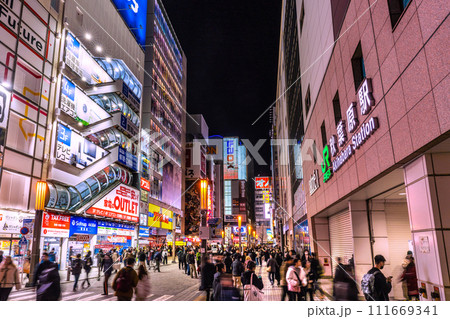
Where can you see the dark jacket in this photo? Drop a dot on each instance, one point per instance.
(409, 274)
(238, 268)
(191, 259)
(382, 287)
(133, 278)
(344, 284)
(77, 265)
(106, 264)
(255, 281)
(142, 256)
(208, 270)
(272, 263)
(48, 282)
(228, 262)
(87, 263)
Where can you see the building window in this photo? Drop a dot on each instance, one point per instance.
(307, 102)
(323, 131)
(396, 8)
(359, 71)
(337, 108)
(314, 147)
(302, 17)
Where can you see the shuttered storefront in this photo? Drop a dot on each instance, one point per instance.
(399, 233)
(341, 237)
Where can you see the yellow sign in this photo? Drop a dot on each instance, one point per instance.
(154, 216)
(180, 243)
(166, 219)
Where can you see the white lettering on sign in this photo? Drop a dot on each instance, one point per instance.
(366, 130)
(366, 100)
(352, 118)
(341, 133)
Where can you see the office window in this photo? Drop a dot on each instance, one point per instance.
(324, 134)
(337, 108)
(359, 72)
(302, 17)
(307, 102)
(314, 147)
(396, 8)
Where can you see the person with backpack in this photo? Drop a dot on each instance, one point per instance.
(125, 281)
(107, 266)
(76, 267)
(296, 280)
(47, 281)
(87, 265)
(375, 286)
(9, 277)
(143, 286)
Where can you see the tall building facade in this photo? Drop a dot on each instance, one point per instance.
(375, 152)
(77, 85)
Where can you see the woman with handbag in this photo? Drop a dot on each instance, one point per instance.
(9, 277)
(296, 279)
(252, 284)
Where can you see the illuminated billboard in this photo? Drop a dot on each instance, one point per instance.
(79, 106)
(74, 149)
(83, 64)
(262, 182)
(242, 163)
(134, 13)
(230, 158)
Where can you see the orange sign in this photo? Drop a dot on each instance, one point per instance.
(261, 182)
(145, 184)
(54, 225)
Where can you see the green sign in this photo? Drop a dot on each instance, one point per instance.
(326, 165)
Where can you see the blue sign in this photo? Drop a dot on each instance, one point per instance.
(127, 159)
(23, 241)
(144, 231)
(73, 45)
(81, 225)
(115, 225)
(64, 134)
(134, 12)
(68, 88)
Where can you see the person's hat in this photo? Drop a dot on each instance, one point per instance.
(409, 252)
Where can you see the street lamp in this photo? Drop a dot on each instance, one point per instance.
(41, 199)
(249, 235)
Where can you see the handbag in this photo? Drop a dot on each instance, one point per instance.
(269, 269)
(251, 292)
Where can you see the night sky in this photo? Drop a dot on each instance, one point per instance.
(232, 57)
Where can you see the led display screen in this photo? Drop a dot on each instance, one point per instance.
(230, 166)
(134, 12)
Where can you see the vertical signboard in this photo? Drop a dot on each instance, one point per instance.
(230, 158)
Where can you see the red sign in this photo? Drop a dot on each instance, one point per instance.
(145, 184)
(54, 225)
(261, 182)
(83, 238)
(121, 203)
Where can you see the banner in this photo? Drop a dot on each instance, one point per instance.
(154, 213)
(81, 225)
(166, 219)
(55, 225)
(111, 228)
(12, 222)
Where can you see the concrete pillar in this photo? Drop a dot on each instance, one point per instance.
(320, 243)
(427, 181)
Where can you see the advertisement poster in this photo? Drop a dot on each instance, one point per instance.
(230, 165)
(171, 185)
(79, 106)
(12, 222)
(111, 228)
(55, 225)
(127, 159)
(75, 150)
(121, 203)
(81, 62)
(192, 208)
(154, 216)
(81, 225)
(166, 219)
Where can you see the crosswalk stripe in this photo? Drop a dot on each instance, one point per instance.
(79, 295)
(28, 293)
(163, 298)
(22, 293)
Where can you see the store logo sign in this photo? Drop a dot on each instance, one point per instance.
(326, 165)
(134, 12)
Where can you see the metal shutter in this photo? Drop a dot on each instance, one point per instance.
(341, 237)
(399, 233)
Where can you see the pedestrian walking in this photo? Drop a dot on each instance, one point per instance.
(76, 267)
(288, 261)
(143, 285)
(87, 265)
(157, 257)
(250, 281)
(375, 286)
(409, 277)
(125, 281)
(100, 256)
(272, 268)
(47, 280)
(52, 255)
(228, 262)
(142, 257)
(9, 277)
(107, 266)
(164, 256)
(237, 270)
(116, 261)
(181, 257)
(296, 280)
(344, 284)
(191, 262)
(207, 279)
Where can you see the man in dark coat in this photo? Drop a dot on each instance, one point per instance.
(207, 271)
(47, 280)
(228, 261)
(107, 266)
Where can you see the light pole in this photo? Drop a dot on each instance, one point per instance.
(41, 194)
(249, 235)
(239, 226)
